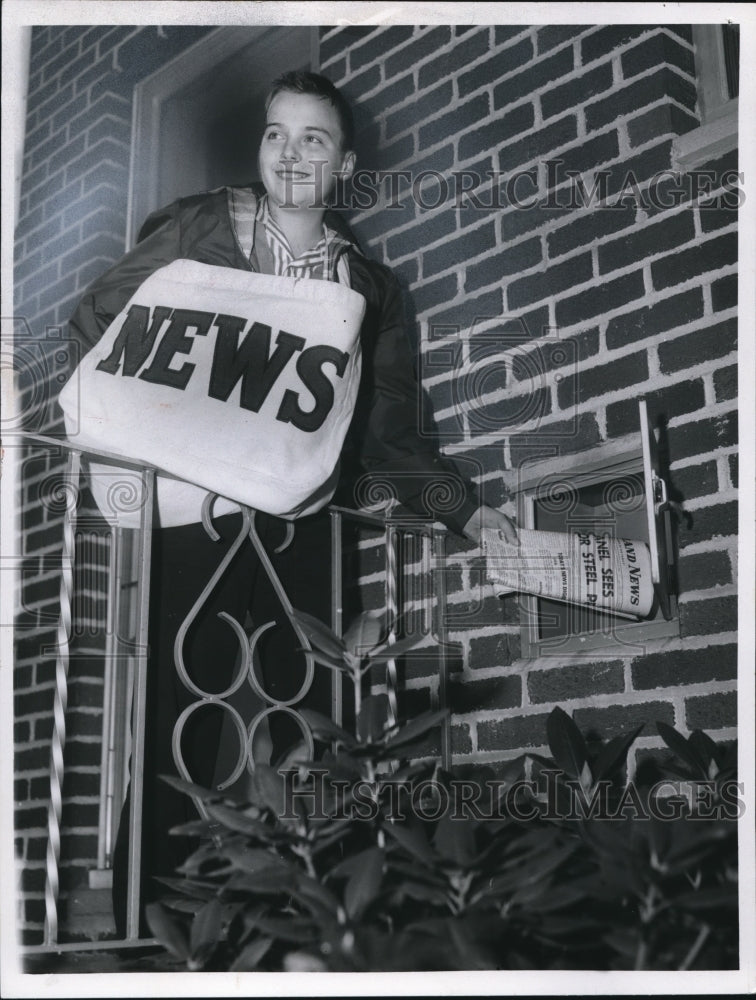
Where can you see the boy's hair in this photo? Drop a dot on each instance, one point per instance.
(300, 82)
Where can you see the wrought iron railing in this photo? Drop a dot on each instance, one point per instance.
(429, 603)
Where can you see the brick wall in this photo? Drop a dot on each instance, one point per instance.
(642, 299)
(496, 253)
(71, 227)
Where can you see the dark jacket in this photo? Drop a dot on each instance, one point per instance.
(383, 438)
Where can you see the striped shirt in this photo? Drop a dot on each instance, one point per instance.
(325, 260)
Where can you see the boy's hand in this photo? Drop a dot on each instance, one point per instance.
(487, 517)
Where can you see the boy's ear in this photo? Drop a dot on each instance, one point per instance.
(348, 164)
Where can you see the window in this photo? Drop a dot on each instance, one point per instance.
(717, 52)
(620, 494)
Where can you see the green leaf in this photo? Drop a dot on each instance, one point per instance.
(566, 743)
(455, 839)
(317, 897)
(206, 932)
(371, 718)
(168, 932)
(332, 662)
(392, 651)
(256, 860)
(296, 929)
(720, 897)
(364, 884)
(239, 822)
(677, 742)
(417, 727)
(189, 887)
(251, 955)
(268, 788)
(189, 788)
(705, 749)
(324, 728)
(413, 840)
(321, 637)
(614, 753)
(364, 633)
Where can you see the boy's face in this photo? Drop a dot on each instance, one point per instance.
(301, 151)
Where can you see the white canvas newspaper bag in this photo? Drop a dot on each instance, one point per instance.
(236, 383)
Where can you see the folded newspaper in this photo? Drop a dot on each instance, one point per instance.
(598, 571)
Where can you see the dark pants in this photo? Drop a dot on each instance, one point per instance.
(183, 560)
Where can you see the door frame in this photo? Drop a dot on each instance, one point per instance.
(151, 93)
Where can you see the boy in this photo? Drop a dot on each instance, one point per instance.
(284, 230)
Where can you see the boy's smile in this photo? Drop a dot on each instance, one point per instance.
(301, 152)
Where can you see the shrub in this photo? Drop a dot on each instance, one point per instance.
(372, 860)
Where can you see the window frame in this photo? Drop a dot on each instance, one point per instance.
(718, 132)
(585, 470)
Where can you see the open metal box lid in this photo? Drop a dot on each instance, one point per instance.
(657, 512)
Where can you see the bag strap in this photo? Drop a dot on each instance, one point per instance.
(243, 205)
(243, 209)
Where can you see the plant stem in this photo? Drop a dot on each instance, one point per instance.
(697, 946)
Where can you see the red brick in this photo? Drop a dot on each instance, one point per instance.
(654, 51)
(677, 668)
(343, 38)
(724, 293)
(671, 231)
(576, 681)
(499, 650)
(666, 403)
(460, 55)
(703, 570)
(429, 40)
(577, 91)
(552, 35)
(605, 40)
(544, 284)
(590, 382)
(378, 45)
(492, 69)
(464, 314)
(615, 719)
(419, 236)
(646, 90)
(703, 435)
(684, 264)
(594, 301)
(712, 711)
(699, 346)
(585, 155)
(553, 355)
(726, 383)
(535, 76)
(423, 107)
(732, 461)
(507, 734)
(719, 520)
(696, 480)
(502, 263)
(495, 132)
(708, 617)
(663, 120)
(459, 251)
(539, 143)
(565, 437)
(658, 318)
(589, 226)
(484, 695)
